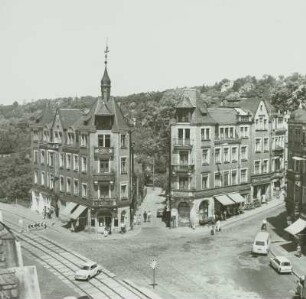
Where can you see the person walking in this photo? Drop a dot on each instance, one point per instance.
(149, 216)
(145, 216)
(218, 225)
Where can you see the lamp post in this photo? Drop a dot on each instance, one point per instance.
(169, 185)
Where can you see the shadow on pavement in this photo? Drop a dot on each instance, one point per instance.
(279, 223)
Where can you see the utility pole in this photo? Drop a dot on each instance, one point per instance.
(153, 171)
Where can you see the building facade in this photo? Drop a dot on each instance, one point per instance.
(223, 157)
(82, 164)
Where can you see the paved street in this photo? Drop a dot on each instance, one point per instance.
(191, 264)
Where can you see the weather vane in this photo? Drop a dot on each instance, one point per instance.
(106, 51)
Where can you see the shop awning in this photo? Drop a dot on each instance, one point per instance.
(236, 197)
(298, 158)
(224, 200)
(77, 212)
(296, 227)
(69, 207)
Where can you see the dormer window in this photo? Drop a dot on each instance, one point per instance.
(183, 116)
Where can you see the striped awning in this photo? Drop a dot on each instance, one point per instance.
(224, 200)
(236, 197)
(77, 212)
(296, 227)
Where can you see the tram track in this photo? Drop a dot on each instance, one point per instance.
(54, 257)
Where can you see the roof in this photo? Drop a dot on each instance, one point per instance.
(69, 116)
(298, 116)
(223, 115)
(109, 108)
(185, 103)
(282, 258)
(46, 117)
(250, 104)
(105, 79)
(262, 235)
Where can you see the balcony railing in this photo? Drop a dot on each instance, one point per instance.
(178, 142)
(219, 140)
(106, 152)
(104, 177)
(183, 168)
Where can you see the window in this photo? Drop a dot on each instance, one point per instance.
(183, 116)
(76, 162)
(123, 141)
(61, 160)
(70, 138)
(42, 178)
(68, 161)
(244, 153)
(123, 165)
(104, 140)
(234, 154)
(221, 134)
(205, 181)
(84, 190)
(226, 178)
(226, 157)
(35, 135)
(35, 156)
(51, 181)
(217, 179)
(123, 192)
(76, 187)
(104, 166)
(243, 176)
(35, 177)
(258, 145)
(61, 183)
(84, 164)
(244, 132)
(104, 191)
(217, 155)
(183, 183)
(83, 140)
(68, 185)
(205, 156)
(257, 167)
(266, 144)
(184, 136)
(42, 157)
(265, 166)
(205, 134)
(51, 159)
(183, 158)
(234, 177)
(265, 124)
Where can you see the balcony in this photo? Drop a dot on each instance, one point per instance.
(183, 168)
(104, 202)
(293, 175)
(277, 151)
(104, 176)
(228, 140)
(182, 143)
(49, 145)
(104, 152)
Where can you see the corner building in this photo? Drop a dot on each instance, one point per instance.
(223, 157)
(82, 164)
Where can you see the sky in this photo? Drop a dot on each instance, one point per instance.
(55, 48)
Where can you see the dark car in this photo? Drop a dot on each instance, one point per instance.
(160, 212)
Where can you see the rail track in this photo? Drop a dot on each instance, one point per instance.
(64, 262)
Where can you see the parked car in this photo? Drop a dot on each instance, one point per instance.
(281, 264)
(87, 271)
(160, 212)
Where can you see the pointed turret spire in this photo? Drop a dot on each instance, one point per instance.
(105, 82)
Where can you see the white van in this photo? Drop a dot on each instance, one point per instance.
(261, 243)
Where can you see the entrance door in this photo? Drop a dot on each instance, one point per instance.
(203, 212)
(104, 220)
(184, 214)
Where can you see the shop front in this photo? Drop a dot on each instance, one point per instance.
(224, 206)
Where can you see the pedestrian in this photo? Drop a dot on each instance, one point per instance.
(45, 212)
(20, 222)
(149, 216)
(145, 216)
(264, 225)
(139, 219)
(218, 225)
(105, 232)
(224, 214)
(298, 250)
